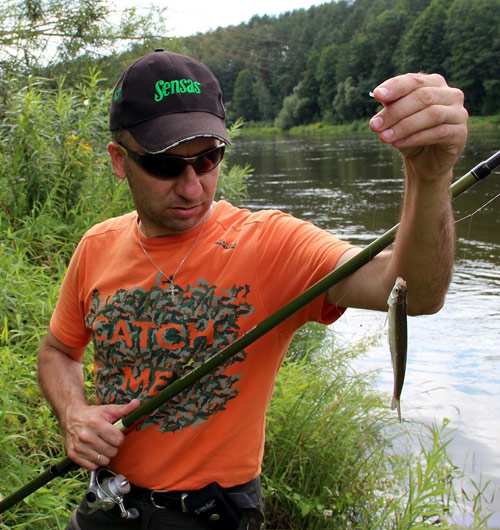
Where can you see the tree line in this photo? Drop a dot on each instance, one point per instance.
(321, 63)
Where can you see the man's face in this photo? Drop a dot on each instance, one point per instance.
(172, 206)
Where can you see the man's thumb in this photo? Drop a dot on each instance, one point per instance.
(117, 412)
(130, 407)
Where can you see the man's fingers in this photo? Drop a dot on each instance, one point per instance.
(113, 413)
(397, 87)
(92, 455)
(437, 102)
(425, 119)
(90, 460)
(427, 127)
(88, 444)
(93, 440)
(429, 114)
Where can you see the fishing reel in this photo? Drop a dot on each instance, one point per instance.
(105, 493)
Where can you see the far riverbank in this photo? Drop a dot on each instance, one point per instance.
(261, 130)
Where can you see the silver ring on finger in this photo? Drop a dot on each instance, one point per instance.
(96, 461)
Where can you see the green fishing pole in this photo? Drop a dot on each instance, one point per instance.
(65, 465)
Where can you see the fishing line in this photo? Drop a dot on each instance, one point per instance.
(380, 163)
(478, 210)
(469, 228)
(376, 203)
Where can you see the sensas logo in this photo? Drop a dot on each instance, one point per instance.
(176, 86)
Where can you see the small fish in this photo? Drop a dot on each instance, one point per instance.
(398, 338)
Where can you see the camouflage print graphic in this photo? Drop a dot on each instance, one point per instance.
(145, 340)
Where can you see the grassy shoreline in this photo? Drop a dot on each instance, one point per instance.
(265, 130)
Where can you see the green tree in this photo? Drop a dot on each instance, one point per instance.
(225, 51)
(423, 47)
(351, 101)
(308, 89)
(35, 32)
(245, 104)
(358, 59)
(333, 23)
(413, 7)
(473, 39)
(384, 33)
(294, 110)
(369, 52)
(264, 98)
(326, 77)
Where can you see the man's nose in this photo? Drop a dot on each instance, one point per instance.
(188, 183)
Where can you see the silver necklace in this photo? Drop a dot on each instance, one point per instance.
(170, 279)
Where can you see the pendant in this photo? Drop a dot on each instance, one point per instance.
(172, 289)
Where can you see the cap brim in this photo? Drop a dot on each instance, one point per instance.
(169, 130)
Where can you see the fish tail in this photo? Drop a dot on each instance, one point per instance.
(396, 404)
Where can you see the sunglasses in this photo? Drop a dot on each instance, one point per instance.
(170, 166)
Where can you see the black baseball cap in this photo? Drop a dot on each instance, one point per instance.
(166, 98)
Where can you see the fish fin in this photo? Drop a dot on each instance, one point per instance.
(396, 404)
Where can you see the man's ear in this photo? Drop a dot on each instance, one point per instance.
(117, 160)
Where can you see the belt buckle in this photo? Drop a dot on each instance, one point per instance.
(152, 499)
(160, 507)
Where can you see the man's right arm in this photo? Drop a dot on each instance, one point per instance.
(88, 429)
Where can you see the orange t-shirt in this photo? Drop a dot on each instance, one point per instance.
(243, 268)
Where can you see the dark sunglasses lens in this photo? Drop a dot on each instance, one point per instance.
(168, 166)
(163, 166)
(208, 161)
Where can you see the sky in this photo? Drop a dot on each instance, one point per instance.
(187, 17)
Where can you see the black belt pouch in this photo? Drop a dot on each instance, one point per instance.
(213, 505)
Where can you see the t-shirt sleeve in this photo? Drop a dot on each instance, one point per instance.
(68, 320)
(294, 255)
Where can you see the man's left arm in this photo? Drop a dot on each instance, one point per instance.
(426, 121)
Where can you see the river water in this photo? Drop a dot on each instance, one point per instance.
(351, 185)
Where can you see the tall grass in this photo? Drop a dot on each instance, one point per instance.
(335, 454)
(330, 460)
(324, 445)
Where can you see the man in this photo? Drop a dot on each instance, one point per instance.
(161, 289)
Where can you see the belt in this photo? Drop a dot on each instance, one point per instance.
(165, 500)
(174, 500)
(209, 506)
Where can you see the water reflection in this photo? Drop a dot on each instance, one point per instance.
(352, 186)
